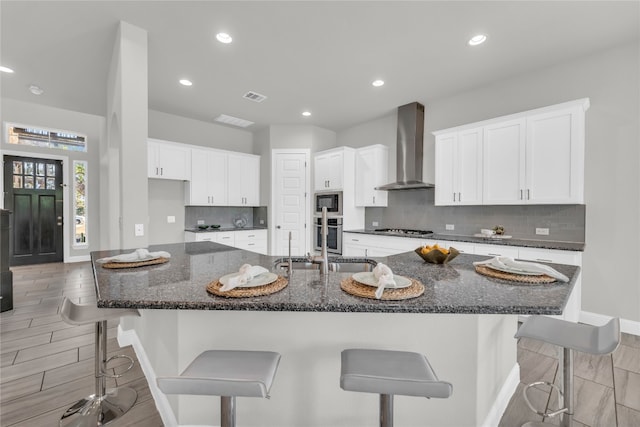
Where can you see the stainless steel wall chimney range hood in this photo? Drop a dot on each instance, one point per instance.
(409, 149)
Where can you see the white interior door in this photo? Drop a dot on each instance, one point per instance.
(291, 206)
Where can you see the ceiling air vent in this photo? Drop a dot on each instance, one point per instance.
(234, 121)
(254, 96)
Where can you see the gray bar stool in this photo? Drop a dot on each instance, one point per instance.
(388, 373)
(104, 405)
(226, 373)
(600, 340)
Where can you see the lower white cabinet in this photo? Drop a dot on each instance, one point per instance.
(250, 240)
(356, 244)
(496, 250)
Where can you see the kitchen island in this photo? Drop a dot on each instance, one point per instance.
(463, 322)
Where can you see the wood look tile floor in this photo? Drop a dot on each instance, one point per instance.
(46, 365)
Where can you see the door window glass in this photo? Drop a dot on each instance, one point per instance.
(80, 203)
(30, 175)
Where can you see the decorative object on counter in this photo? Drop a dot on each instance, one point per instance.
(358, 289)
(279, 284)
(240, 221)
(138, 258)
(512, 277)
(249, 276)
(205, 227)
(499, 230)
(436, 254)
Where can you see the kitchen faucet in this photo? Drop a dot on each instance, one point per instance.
(323, 259)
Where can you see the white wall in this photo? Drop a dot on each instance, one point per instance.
(611, 272)
(93, 126)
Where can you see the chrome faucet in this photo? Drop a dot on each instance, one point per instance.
(323, 259)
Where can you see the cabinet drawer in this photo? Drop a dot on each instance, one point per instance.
(493, 250)
(250, 236)
(253, 246)
(225, 237)
(550, 255)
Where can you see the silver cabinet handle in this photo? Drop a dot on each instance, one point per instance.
(157, 171)
(528, 195)
(520, 194)
(454, 196)
(494, 254)
(543, 260)
(366, 252)
(459, 197)
(161, 171)
(355, 240)
(374, 200)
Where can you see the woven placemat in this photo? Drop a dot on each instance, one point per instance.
(532, 280)
(353, 287)
(271, 288)
(134, 264)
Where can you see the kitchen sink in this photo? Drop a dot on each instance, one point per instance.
(340, 266)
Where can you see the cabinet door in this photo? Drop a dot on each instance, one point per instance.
(328, 171)
(468, 167)
(208, 186)
(445, 169)
(503, 166)
(174, 162)
(243, 175)
(371, 171)
(554, 158)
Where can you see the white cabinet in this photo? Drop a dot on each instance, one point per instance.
(554, 163)
(243, 179)
(208, 186)
(534, 157)
(251, 240)
(328, 170)
(166, 160)
(459, 168)
(496, 250)
(371, 172)
(504, 159)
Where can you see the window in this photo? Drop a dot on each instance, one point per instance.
(80, 203)
(34, 175)
(48, 138)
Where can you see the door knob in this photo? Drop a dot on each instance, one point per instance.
(278, 227)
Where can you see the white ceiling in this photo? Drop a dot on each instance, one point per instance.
(320, 56)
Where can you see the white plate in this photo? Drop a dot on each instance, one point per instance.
(260, 280)
(147, 258)
(367, 278)
(513, 270)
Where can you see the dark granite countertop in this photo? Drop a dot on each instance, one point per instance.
(214, 230)
(528, 243)
(453, 288)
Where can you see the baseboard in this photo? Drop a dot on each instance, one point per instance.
(504, 396)
(78, 258)
(626, 326)
(130, 337)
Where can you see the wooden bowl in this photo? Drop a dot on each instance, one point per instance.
(434, 256)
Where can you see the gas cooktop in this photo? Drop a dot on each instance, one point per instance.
(403, 231)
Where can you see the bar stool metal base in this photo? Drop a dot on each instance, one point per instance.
(92, 411)
(227, 411)
(386, 410)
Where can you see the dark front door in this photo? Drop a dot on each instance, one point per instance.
(33, 192)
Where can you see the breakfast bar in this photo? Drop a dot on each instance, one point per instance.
(464, 322)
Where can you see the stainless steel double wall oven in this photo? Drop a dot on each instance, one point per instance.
(332, 200)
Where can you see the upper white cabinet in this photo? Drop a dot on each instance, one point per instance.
(371, 172)
(459, 168)
(534, 157)
(208, 186)
(329, 169)
(504, 155)
(168, 160)
(243, 179)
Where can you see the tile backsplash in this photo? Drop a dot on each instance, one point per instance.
(415, 209)
(224, 215)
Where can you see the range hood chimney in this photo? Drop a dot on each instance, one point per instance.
(409, 149)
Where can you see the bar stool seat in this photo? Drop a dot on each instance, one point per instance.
(389, 373)
(105, 405)
(226, 373)
(598, 340)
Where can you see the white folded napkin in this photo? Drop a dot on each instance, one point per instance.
(246, 273)
(384, 276)
(526, 267)
(135, 256)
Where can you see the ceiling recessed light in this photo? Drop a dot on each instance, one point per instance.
(224, 38)
(36, 90)
(377, 83)
(476, 40)
(185, 82)
(306, 113)
(6, 69)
